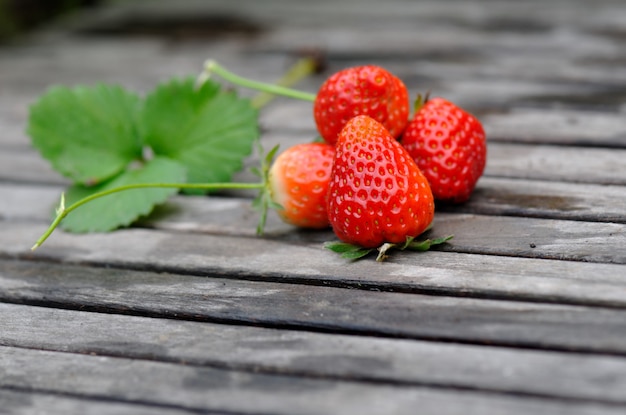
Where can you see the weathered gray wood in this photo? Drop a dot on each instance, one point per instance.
(535, 238)
(27, 166)
(558, 126)
(234, 215)
(293, 260)
(544, 199)
(553, 125)
(276, 304)
(506, 160)
(568, 164)
(590, 165)
(301, 353)
(32, 202)
(202, 388)
(545, 78)
(28, 402)
(508, 236)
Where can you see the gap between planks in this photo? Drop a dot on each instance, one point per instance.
(554, 327)
(448, 273)
(116, 379)
(317, 355)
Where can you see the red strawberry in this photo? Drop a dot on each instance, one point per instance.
(299, 183)
(377, 193)
(362, 90)
(449, 146)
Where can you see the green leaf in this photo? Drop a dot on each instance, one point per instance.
(351, 251)
(123, 208)
(357, 254)
(89, 134)
(206, 129)
(348, 251)
(341, 247)
(426, 244)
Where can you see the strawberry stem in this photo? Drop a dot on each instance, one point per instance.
(212, 67)
(263, 202)
(62, 211)
(300, 70)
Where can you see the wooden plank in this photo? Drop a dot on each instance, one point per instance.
(439, 272)
(283, 305)
(474, 275)
(551, 66)
(506, 160)
(544, 199)
(492, 196)
(27, 166)
(234, 215)
(560, 126)
(32, 202)
(27, 402)
(534, 238)
(205, 388)
(301, 353)
(474, 233)
(509, 236)
(571, 164)
(568, 164)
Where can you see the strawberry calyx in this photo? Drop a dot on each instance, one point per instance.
(264, 201)
(420, 101)
(354, 252)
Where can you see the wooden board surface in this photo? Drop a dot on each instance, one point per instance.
(188, 311)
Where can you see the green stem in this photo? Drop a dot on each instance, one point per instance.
(298, 71)
(213, 67)
(62, 212)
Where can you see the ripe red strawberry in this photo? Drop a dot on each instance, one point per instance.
(377, 193)
(449, 146)
(362, 90)
(299, 183)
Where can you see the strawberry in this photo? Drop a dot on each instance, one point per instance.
(377, 194)
(299, 183)
(449, 146)
(362, 90)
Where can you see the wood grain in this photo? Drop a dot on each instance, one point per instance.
(190, 312)
(212, 389)
(280, 305)
(331, 356)
(445, 272)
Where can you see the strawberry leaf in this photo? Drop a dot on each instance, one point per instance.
(89, 134)
(411, 245)
(426, 244)
(206, 129)
(123, 208)
(348, 251)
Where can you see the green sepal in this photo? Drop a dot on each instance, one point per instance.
(426, 244)
(263, 202)
(420, 100)
(348, 251)
(351, 251)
